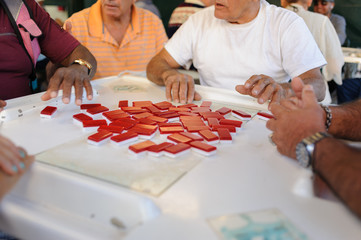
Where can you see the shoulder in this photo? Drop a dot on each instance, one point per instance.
(337, 18)
(277, 14)
(80, 16)
(147, 16)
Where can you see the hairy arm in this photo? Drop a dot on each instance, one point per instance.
(161, 66)
(346, 121)
(340, 169)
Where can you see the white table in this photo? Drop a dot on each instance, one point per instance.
(248, 175)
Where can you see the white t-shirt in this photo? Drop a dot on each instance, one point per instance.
(276, 43)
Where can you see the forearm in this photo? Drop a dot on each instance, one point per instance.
(157, 70)
(346, 122)
(81, 52)
(339, 165)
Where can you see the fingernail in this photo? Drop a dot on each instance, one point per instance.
(247, 85)
(260, 100)
(66, 100)
(308, 87)
(15, 169)
(78, 102)
(22, 153)
(22, 165)
(53, 94)
(255, 92)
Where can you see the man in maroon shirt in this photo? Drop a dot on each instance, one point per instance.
(55, 43)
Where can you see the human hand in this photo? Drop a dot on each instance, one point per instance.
(294, 120)
(2, 105)
(12, 157)
(180, 87)
(64, 78)
(262, 87)
(67, 27)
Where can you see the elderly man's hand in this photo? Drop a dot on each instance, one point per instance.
(13, 159)
(262, 87)
(64, 78)
(294, 120)
(2, 105)
(180, 87)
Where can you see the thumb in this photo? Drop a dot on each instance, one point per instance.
(297, 86)
(68, 26)
(197, 96)
(308, 96)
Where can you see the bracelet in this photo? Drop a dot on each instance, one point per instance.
(328, 117)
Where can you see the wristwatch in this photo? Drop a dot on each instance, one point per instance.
(305, 148)
(84, 63)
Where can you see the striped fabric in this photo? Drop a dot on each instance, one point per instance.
(144, 38)
(182, 13)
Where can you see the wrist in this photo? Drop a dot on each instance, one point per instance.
(84, 63)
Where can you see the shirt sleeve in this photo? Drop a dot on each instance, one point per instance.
(299, 50)
(55, 43)
(180, 45)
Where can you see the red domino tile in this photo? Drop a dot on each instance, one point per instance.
(193, 123)
(123, 103)
(146, 130)
(207, 115)
(142, 115)
(197, 128)
(224, 134)
(110, 128)
(115, 117)
(180, 147)
(206, 104)
(169, 115)
(178, 109)
(188, 114)
(200, 109)
(242, 115)
(152, 109)
(147, 121)
(100, 136)
(142, 103)
(141, 147)
(88, 106)
(178, 138)
(194, 137)
(158, 119)
(175, 124)
(235, 123)
(124, 137)
(212, 121)
(208, 135)
(163, 105)
(125, 125)
(159, 147)
(94, 123)
(203, 146)
(189, 105)
(96, 110)
(81, 117)
(265, 115)
(169, 130)
(48, 111)
(224, 110)
(230, 128)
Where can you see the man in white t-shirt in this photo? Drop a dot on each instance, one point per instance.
(249, 45)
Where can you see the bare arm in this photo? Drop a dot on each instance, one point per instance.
(67, 75)
(346, 121)
(162, 70)
(340, 169)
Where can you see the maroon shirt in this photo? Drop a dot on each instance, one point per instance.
(15, 65)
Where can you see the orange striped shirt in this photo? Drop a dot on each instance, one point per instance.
(144, 38)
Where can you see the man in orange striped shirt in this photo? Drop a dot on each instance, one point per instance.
(119, 35)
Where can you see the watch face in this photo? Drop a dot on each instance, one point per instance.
(302, 155)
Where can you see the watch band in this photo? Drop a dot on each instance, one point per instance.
(84, 63)
(308, 144)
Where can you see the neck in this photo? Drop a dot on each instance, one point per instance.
(250, 13)
(122, 20)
